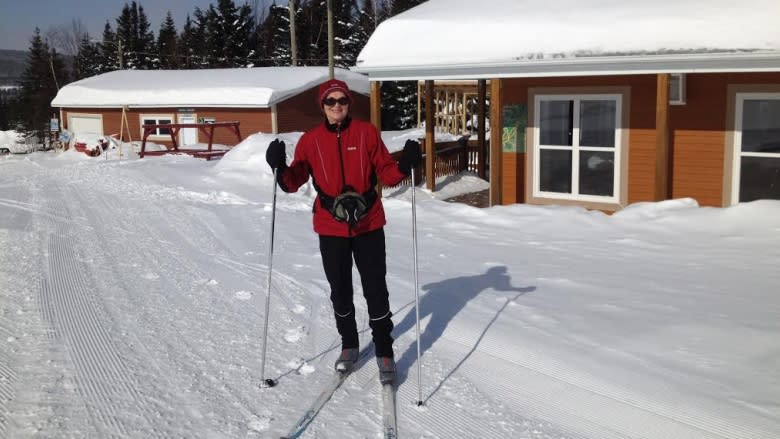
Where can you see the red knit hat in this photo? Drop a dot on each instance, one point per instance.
(329, 87)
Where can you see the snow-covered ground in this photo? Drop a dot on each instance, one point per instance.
(132, 298)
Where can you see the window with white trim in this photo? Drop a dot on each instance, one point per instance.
(577, 147)
(147, 119)
(757, 147)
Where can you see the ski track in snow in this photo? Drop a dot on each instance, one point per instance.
(149, 317)
(111, 392)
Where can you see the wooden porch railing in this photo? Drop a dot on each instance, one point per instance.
(452, 158)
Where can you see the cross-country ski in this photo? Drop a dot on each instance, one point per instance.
(311, 412)
(389, 419)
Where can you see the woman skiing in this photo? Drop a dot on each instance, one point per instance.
(346, 157)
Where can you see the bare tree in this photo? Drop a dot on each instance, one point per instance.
(67, 37)
(259, 10)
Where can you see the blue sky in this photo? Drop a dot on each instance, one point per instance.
(18, 18)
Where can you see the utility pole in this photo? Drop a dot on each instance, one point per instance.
(330, 40)
(51, 65)
(293, 44)
(120, 53)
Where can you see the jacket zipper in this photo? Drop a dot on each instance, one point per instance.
(343, 173)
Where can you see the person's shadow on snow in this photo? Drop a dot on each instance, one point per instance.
(442, 301)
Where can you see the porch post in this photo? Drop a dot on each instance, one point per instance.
(662, 162)
(496, 123)
(430, 139)
(375, 104)
(375, 100)
(481, 96)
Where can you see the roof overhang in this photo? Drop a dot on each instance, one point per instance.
(764, 61)
(260, 87)
(174, 105)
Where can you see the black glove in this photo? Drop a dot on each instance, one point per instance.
(411, 156)
(276, 155)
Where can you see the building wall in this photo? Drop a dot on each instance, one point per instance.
(641, 116)
(698, 133)
(298, 113)
(251, 120)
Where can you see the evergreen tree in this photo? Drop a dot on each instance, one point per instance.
(273, 36)
(88, 59)
(185, 44)
(347, 43)
(366, 24)
(229, 30)
(134, 38)
(40, 81)
(9, 114)
(125, 36)
(399, 98)
(313, 33)
(398, 6)
(145, 47)
(192, 41)
(167, 44)
(109, 50)
(4, 110)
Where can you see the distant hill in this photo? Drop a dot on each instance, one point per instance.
(12, 63)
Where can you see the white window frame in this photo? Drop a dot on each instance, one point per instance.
(576, 148)
(677, 88)
(737, 146)
(171, 117)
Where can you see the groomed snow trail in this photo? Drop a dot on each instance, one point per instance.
(132, 307)
(146, 320)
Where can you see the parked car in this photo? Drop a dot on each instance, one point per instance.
(13, 142)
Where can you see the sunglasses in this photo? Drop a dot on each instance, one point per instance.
(333, 101)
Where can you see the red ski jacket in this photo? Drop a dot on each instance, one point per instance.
(364, 155)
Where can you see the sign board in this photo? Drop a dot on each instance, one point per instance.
(513, 131)
(54, 124)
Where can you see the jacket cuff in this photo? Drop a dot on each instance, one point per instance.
(404, 167)
(280, 177)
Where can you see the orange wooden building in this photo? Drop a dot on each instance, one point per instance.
(604, 104)
(269, 100)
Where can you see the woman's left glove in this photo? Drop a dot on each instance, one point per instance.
(275, 155)
(411, 156)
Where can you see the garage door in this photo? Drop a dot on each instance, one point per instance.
(85, 124)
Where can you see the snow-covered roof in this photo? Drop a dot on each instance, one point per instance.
(250, 87)
(450, 39)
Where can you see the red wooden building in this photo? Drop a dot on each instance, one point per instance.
(269, 100)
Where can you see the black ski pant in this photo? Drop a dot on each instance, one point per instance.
(368, 251)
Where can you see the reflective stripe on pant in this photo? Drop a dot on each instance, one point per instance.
(368, 251)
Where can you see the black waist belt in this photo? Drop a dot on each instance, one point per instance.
(327, 201)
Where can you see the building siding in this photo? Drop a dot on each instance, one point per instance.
(251, 121)
(697, 133)
(298, 113)
(641, 117)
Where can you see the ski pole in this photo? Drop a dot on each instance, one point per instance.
(268, 381)
(416, 292)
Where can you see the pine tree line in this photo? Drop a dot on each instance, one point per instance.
(224, 35)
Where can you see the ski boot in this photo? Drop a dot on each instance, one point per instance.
(346, 360)
(386, 370)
